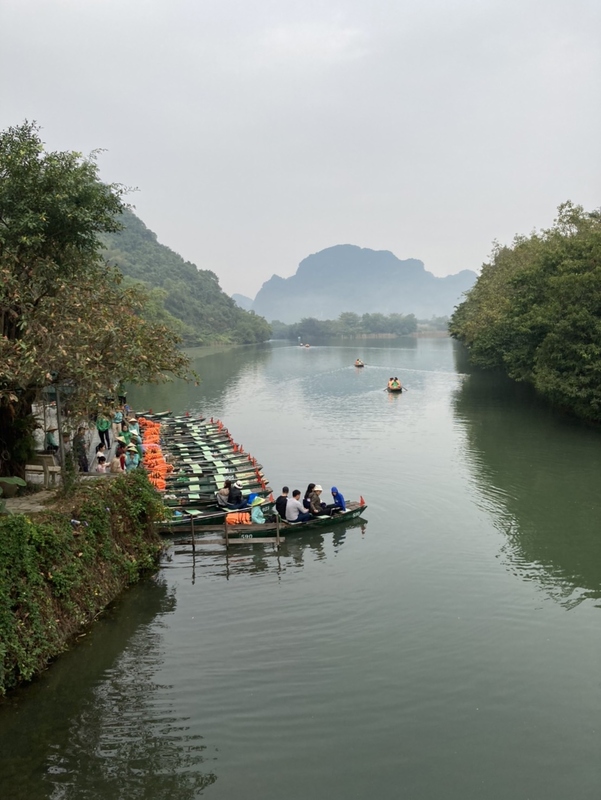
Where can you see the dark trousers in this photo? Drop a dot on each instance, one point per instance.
(303, 517)
(104, 439)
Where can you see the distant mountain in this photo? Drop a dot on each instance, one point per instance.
(243, 301)
(350, 278)
(188, 298)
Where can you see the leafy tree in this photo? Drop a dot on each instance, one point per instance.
(64, 317)
(535, 311)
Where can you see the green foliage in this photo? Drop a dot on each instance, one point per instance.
(180, 290)
(64, 315)
(347, 324)
(535, 311)
(59, 570)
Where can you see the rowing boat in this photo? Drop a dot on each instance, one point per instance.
(354, 510)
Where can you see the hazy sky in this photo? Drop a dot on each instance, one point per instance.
(260, 131)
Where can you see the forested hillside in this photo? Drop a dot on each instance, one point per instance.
(188, 297)
(535, 311)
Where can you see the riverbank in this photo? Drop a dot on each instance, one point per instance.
(63, 563)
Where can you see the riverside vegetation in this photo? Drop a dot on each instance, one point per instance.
(535, 312)
(60, 568)
(69, 324)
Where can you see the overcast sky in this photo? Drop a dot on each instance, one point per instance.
(260, 131)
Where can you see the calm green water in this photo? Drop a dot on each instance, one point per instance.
(447, 648)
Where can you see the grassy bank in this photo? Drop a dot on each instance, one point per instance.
(60, 568)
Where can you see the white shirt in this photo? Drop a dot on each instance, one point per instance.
(294, 507)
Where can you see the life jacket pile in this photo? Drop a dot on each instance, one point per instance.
(238, 518)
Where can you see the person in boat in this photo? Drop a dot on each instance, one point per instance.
(396, 384)
(50, 444)
(339, 503)
(295, 511)
(222, 496)
(308, 491)
(281, 502)
(390, 382)
(235, 499)
(316, 507)
(359, 363)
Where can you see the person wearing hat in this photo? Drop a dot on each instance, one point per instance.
(132, 459)
(136, 439)
(134, 425)
(235, 499)
(316, 507)
(50, 444)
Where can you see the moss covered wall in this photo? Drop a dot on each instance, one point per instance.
(59, 569)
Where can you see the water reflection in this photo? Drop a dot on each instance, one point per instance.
(220, 372)
(116, 734)
(538, 472)
(253, 560)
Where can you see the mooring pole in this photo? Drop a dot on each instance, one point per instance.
(192, 531)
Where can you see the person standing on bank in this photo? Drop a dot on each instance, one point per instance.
(103, 425)
(50, 444)
(79, 448)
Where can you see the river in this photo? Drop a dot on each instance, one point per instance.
(447, 648)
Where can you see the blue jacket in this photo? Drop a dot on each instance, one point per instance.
(338, 498)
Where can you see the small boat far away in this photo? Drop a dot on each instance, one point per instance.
(359, 363)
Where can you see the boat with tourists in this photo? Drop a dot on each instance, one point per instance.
(359, 363)
(394, 386)
(248, 530)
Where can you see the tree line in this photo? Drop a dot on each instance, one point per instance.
(347, 324)
(535, 312)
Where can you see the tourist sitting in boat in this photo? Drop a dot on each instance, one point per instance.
(339, 503)
(281, 502)
(306, 502)
(222, 496)
(235, 499)
(359, 363)
(295, 511)
(390, 382)
(316, 507)
(396, 384)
